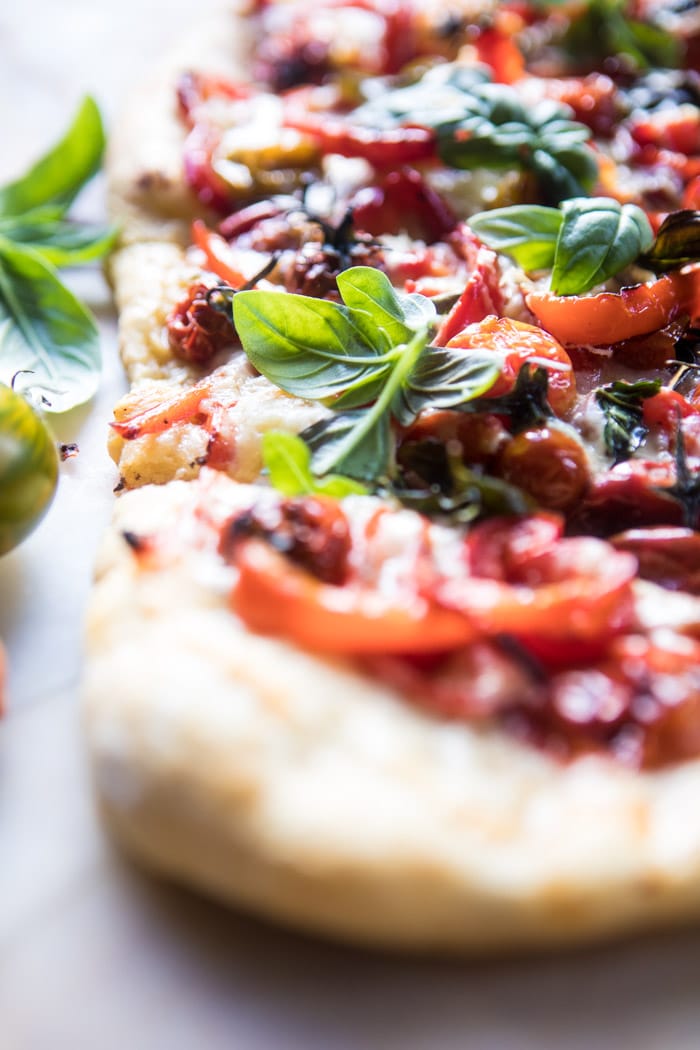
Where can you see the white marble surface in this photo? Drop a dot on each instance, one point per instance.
(93, 955)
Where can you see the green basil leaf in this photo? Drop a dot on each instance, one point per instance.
(57, 177)
(500, 133)
(598, 238)
(621, 404)
(526, 232)
(677, 242)
(444, 379)
(308, 347)
(44, 329)
(59, 241)
(288, 461)
(378, 309)
(355, 443)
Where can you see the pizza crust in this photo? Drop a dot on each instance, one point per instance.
(146, 191)
(292, 786)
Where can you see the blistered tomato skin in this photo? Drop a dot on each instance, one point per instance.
(28, 469)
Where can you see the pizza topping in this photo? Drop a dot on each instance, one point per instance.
(531, 408)
(583, 243)
(197, 329)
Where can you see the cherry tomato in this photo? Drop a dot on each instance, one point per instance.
(28, 468)
(550, 464)
(517, 343)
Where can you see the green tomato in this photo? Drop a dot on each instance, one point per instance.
(28, 468)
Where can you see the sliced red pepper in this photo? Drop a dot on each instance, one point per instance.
(274, 597)
(610, 317)
(218, 254)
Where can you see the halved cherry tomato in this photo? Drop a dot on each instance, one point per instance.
(403, 201)
(275, 597)
(610, 317)
(516, 344)
(666, 408)
(669, 556)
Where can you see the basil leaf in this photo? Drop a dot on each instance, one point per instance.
(57, 177)
(677, 242)
(444, 379)
(44, 329)
(603, 30)
(356, 443)
(500, 132)
(621, 403)
(377, 308)
(598, 238)
(308, 347)
(59, 241)
(526, 232)
(288, 462)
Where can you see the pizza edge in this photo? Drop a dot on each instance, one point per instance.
(293, 785)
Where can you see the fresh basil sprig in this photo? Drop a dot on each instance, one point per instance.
(676, 243)
(368, 359)
(621, 403)
(45, 332)
(484, 125)
(584, 242)
(287, 459)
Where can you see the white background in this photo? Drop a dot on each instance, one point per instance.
(95, 956)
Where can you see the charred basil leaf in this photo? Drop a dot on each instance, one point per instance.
(621, 403)
(676, 243)
(431, 480)
(526, 404)
(686, 488)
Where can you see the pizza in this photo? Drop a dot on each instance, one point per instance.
(396, 633)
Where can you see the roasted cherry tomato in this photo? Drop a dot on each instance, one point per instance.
(28, 468)
(517, 343)
(550, 464)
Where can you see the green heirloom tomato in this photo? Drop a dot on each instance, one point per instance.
(28, 468)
